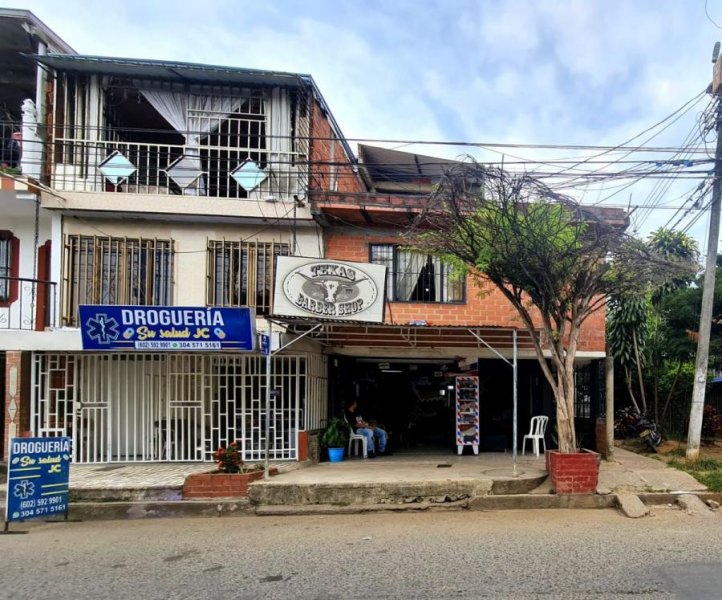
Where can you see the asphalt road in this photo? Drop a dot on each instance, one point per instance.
(513, 554)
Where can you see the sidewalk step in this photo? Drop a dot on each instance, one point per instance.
(114, 511)
(125, 494)
(274, 493)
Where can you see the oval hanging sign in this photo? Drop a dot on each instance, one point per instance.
(329, 289)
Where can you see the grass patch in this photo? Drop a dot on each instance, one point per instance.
(708, 471)
(676, 452)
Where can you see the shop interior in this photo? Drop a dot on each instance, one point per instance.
(415, 399)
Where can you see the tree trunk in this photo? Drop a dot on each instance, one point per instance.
(564, 396)
(643, 396)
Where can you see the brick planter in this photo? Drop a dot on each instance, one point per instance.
(220, 485)
(575, 473)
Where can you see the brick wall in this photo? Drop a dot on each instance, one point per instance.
(576, 473)
(323, 151)
(484, 306)
(221, 485)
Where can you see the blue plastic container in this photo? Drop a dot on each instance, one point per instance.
(335, 454)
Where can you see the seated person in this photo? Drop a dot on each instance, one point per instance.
(370, 431)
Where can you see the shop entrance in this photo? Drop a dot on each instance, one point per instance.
(415, 398)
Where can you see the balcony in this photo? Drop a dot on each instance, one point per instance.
(208, 171)
(29, 303)
(10, 147)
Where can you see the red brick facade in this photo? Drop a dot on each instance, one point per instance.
(330, 168)
(483, 307)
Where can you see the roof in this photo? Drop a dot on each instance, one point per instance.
(403, 172)
(180, 72)
(36, 28)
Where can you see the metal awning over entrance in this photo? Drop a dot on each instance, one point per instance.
(346, 337)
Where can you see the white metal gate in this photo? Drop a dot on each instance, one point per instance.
(135, 407)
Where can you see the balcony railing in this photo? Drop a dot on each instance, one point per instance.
(10, 146)
(33, 307)
(167, 169)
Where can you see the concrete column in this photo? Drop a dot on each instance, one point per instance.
(609, 372)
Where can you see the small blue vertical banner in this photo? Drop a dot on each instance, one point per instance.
(38, 478)
(265, 344)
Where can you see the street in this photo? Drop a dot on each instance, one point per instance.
(510, 554)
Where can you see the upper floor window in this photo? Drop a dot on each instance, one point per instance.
(243, 273)
(102, 270)
(416, 277)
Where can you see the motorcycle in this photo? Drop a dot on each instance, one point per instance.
(632, 424)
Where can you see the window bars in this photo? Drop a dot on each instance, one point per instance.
(242, 273)
(5, 267)
(102, 270)
(415, 277)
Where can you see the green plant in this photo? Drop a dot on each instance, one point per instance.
(228, 460)
(335, 434)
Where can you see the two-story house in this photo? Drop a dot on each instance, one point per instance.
(171, 185)
(27, 293)
(176, 187)
(436, 326)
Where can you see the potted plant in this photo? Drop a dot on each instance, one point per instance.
(230, 479)
(335, 437)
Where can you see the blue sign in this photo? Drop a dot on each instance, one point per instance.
(114, 327)
(265, 344)
(38, 474)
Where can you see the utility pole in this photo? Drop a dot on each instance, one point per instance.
(694, 434)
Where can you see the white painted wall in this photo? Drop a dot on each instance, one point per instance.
(18, 216)
(191, 245)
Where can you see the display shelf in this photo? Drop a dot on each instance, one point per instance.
(467, 413)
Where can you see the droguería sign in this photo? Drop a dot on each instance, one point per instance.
(329, 289)
(38, 476)
(176, 328)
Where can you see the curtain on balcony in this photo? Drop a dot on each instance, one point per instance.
(194, 116)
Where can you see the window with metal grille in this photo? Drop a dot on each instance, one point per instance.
(583, 387)
(102, 270)
(416, 277)
(9, 267)
(243, 273)
(5, 267)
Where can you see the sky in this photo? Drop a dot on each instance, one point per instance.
(584, 72)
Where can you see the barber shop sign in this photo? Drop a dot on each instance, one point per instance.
(329, 289)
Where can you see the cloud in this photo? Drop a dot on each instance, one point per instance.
(514, 71)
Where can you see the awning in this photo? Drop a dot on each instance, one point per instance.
(345, 337)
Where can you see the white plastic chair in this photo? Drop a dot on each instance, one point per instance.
(354, 437)
(536, 434)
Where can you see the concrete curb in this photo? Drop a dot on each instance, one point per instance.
(224, 507)
(111, 511)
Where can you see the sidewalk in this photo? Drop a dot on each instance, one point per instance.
(400, 482)
(641, 474)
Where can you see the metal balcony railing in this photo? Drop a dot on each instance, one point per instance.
(10, 146)
(167, 169)
(29, 304)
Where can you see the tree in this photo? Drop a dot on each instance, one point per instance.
(638, 332)
(628, 329)
(553, 260)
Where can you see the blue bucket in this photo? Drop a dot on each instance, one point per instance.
(335, 454)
